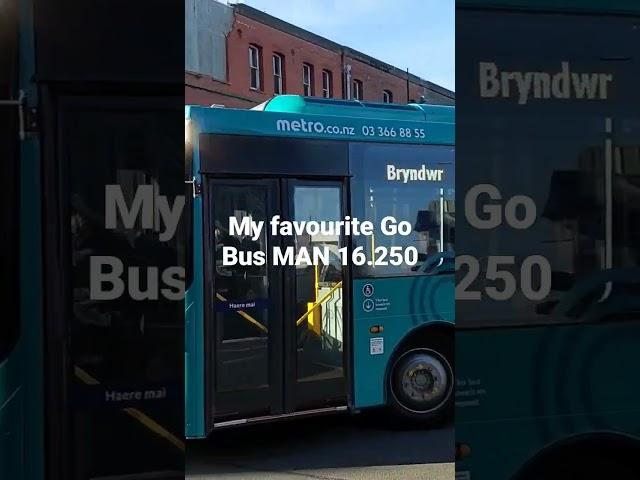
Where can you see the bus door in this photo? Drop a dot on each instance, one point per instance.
(314, 296)
(274, 332)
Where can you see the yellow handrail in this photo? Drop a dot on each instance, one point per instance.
(140, 416)
(326, 296)
(245, 315)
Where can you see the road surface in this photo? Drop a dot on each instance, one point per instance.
(339, 447)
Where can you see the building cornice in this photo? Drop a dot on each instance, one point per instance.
(288, 28)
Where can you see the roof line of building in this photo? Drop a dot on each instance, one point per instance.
(323, 42)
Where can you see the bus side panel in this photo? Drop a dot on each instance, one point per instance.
(21, 380)
(21, 365)
(12, 435)
(332, 127)
(31, 309)
(193, 375)
(573, 375)
(398, 305)
(194, 336)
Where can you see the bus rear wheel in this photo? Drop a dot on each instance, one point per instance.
(421, 387)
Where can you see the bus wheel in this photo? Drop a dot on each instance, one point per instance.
(421, 386)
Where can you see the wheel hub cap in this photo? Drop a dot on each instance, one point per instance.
(425, 380)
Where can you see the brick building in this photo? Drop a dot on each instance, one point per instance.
(238, 56)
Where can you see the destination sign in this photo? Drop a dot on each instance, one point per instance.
(562, 84)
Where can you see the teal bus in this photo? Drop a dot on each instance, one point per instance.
(548, 311)
(21, 356)
(271, 341)
(89, 388)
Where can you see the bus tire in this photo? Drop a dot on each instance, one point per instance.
(421, 384)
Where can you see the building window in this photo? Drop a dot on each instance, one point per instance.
(307, 79)
(278, 74)
(387, 96)
(327, 84)
(254, 67)
(357, 90)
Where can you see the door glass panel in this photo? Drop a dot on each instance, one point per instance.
(318, 296)
(241, 292)
(133, 343)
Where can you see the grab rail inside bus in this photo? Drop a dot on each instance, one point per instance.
(245, 315)
(309, 311)
(136, 413)
(319, 302)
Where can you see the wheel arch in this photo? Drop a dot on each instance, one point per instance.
(616, 446)
(413, 338)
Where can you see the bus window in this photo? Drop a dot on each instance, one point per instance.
(240, 340)
(556, 154)
(409, 183)
(9, 174)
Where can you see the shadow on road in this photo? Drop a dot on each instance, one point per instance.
(337, 441)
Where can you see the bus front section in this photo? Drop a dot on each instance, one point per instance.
(286, 321)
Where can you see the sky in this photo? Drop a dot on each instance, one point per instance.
(414, 34)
